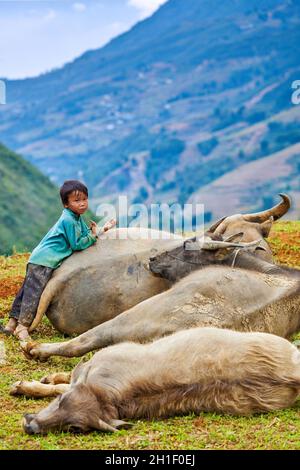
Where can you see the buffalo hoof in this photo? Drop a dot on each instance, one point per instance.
(47, 380)
(16, 388)
(31, 351)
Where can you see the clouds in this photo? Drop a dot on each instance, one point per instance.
(38, 36)
(146, 7)
(80, 7)
(49, 16)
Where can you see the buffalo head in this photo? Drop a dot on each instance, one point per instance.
(253, 226)
(77, 410)
(195, 253)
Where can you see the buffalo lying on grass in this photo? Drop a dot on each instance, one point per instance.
(219, 286)
(201, 369)
(95, 285)
(112, 276)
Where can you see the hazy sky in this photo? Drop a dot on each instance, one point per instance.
(39, 35)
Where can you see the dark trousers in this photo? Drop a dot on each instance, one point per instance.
(27, 300)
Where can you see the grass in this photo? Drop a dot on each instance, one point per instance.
(278, 430)
(285, 243)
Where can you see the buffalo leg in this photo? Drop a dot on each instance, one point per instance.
(96, 338)
(143, 322)
(57, 378)
(37, 389)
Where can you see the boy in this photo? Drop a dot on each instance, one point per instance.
(70, 233)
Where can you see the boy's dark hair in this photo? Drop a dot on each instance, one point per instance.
(69, 186)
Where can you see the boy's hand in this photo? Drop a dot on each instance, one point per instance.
(97, 230)
(110, 224)
(94, 228)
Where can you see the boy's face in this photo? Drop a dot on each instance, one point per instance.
(77, 202)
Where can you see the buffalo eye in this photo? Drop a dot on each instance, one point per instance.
(75, 429)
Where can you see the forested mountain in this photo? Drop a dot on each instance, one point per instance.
(199, 92)
(29, 203)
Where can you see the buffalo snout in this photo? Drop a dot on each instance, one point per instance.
(30, 425)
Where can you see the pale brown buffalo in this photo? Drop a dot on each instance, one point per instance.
(201, 369)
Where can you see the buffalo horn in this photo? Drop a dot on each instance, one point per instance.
(276, 212)
(208, 244)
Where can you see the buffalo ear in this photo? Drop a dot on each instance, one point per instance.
(236, 238)
(118, 424)
(266, 226)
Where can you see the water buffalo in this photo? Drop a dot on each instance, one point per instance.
(95, 285)
(251, 295)
(253, 226)
(201, 369)
(112, 276)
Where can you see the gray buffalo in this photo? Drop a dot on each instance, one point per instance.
(216, 285)
(96, 285)
(201, 369)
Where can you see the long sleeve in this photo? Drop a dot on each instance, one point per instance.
(77, 239)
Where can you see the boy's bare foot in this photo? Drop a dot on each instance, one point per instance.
(10, 327)
(21, 332)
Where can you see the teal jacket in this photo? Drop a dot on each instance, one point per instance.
(70, 233)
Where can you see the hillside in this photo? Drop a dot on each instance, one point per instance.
(29, 203)
(199, 90)
(246, 187)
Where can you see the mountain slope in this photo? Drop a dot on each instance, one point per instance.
(183, 98)
(29, 203)
(244, 188)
